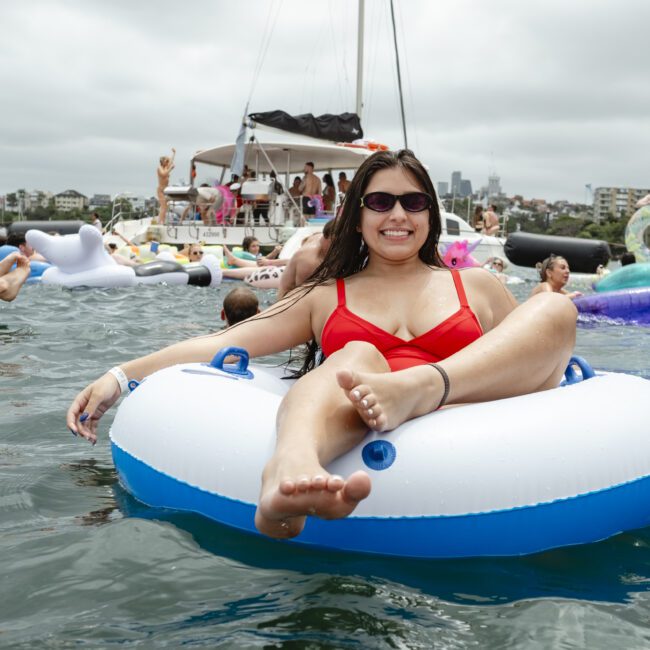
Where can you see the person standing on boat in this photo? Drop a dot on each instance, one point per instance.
(477, 218)
(164, 170)
(554, 275)
(329, 193)
(97, 222)
(490, 221)
(402, 336)
(344, 183)
(310, 186)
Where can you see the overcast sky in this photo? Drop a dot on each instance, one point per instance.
(550, 94)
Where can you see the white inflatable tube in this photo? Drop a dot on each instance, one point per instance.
(510, 477)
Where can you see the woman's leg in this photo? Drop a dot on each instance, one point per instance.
(527, 352)
(316, 424)
(237, 261)
(162, 200)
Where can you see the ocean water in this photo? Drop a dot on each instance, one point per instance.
(82, 564)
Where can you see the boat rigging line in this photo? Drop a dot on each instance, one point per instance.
(399, 75)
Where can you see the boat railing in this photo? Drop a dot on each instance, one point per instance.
(122, 210)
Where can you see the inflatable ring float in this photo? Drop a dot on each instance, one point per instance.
(630, 306)
(634, 234)
(510, 477)
(265, 277)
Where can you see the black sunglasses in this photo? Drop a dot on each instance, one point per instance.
(383, 201)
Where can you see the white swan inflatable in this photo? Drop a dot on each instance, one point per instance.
(80, 260)
(509, 477)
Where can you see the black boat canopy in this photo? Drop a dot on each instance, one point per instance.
(345, 127)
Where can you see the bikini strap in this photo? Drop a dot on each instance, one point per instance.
(340, 291)
(460, 289)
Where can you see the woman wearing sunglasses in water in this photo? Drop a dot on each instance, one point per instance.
(402, 336)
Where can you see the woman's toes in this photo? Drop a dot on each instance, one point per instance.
(346, 379)
(287, 486)
(303, 483)
(335, 483)
(319, 482)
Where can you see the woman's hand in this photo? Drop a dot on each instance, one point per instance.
(89, 406)
(574, 294)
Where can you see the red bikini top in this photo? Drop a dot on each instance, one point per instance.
(440, 342)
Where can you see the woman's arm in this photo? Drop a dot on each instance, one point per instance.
(284, 325)
(488, 297)
(122, 237)
(542, 287)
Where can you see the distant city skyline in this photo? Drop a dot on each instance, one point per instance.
(495, 89)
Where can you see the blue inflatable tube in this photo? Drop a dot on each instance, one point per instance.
(510, 477)
(631, 276)
(36, 268)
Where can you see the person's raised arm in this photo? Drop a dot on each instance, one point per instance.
(128, 242)
(284, 325)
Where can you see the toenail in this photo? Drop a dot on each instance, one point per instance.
(364, 403)
(356, 394)
(369, 411)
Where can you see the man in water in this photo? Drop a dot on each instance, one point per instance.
(309, 186)
(240, 303)
(306, 260)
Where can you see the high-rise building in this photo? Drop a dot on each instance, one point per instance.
(443, 188)
(465, 188)
(456, 177)
(494, 185)
(618, 202)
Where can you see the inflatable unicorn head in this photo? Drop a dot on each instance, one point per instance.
(458, 255)
(79, 260)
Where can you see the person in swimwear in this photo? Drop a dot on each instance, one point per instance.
(384, 309)
(164, 170)
(554, 275)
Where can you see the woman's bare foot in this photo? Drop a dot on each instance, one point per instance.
(385, 400)
(285, 502)
(229, 256)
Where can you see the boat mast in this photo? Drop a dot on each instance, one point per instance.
(399, 76)
(360, 59)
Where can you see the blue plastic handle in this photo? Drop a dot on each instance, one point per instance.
(572, 377)
(240, 369)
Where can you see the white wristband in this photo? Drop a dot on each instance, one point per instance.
(122, 379)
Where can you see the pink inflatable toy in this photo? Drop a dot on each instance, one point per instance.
(225, 211)
(459, 254)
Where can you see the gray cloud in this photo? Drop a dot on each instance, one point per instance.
(550, 94)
